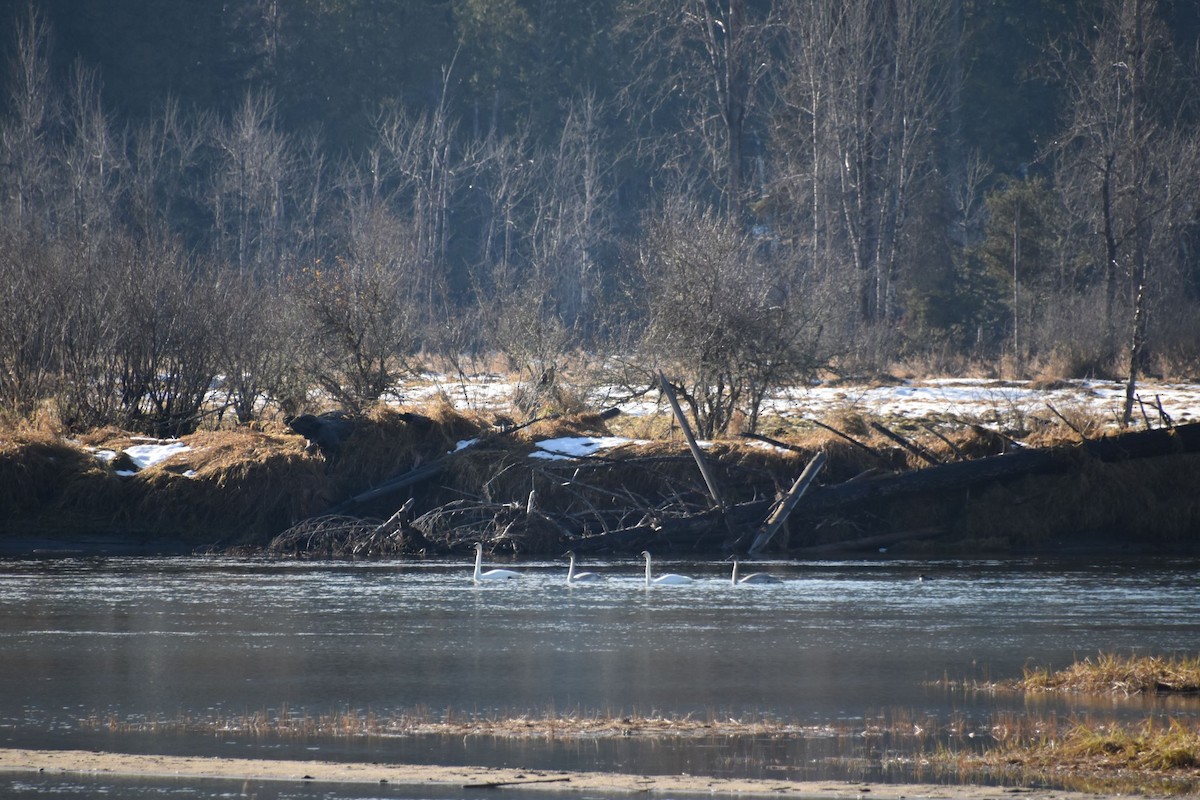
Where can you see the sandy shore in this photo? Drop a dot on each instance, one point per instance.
(14, 760)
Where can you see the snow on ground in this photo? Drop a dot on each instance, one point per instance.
(942, 399)
(147, 454)
(485, 390)
(970, 399)
(569, 447)
(155, 451)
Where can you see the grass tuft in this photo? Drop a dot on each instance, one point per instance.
(1110, 673)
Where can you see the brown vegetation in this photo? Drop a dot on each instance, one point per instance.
(1112, 673)
(247, 486)
(1156, 754)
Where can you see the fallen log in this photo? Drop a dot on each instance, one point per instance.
(957, 475)
(432, 468)
(963, 474)
(912, 447)
(1146, 444)
(621, 505)
(498, 784)
(779, 516)
(410, 478)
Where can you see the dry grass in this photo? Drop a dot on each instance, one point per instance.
(385, 442)
(237, 484)
(244, 486)
(1153, 755)
(1111, 673)
(1147, 758)
(36, 465)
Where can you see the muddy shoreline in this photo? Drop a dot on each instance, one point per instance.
(80, 762)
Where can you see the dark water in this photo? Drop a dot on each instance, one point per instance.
(838, 644)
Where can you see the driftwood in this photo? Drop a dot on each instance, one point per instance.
(498, 784)
(410, 478)
(431, 469)
(342, 536)
(1146, 444)
(944, 477)
(621, 505)
(844, 435)
(780, 514)
(946, 441)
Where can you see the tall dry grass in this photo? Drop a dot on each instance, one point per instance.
(1109, 673)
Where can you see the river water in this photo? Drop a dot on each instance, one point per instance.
(837, 644)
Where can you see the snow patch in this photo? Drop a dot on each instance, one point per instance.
(568, 447)
(147, 455)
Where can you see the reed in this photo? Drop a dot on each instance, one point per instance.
(1111, 673)
(1151, 747)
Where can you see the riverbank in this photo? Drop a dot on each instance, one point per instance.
(408, 483)
(1096, 754)
(78, 762)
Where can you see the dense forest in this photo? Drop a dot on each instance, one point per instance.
(270, 197)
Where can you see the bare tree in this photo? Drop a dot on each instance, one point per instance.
(1129, 156)
(93, 158)
(92, 335)
(572, 219)
(544, 219)
(505, 177)
(247, 202)
(163, 170)
(699, 66)
(855, 135)
(363, 308)
(720, 318)
(417, 166)
(29, 286)
(259, 344)
(310, 235)
(25, 135)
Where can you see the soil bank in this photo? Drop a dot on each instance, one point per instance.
(15, 760)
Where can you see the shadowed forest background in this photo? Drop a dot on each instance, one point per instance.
(270, 197)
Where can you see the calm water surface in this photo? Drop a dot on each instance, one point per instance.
(836, 643)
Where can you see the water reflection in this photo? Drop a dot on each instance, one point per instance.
(836, 644)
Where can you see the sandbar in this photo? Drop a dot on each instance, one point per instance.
(83, 762)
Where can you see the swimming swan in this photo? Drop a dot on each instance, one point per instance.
(579, 577)
(670, 579)
(753, 577)
(491, 574)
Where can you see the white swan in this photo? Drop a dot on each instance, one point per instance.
(753, 577)
(491, 574)
(579, 577)
(670, 579)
